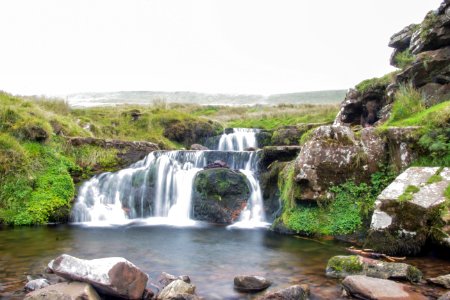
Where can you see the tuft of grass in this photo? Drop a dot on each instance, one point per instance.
(404, 59)
(408, 193)
(407, 102)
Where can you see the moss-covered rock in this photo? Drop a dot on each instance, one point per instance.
(219, 195)
(188, 132)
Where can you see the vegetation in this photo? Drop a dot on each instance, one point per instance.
(404, 59)
(345, 213)
(375, 83)
(345, 264)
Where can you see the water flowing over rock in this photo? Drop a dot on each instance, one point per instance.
(112, 276)
(161, 186)
(395, 228)
(364, 287)
(247, 283)
(238, 140)
(65, 291)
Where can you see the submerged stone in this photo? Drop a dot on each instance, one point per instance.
(295, 292)
(65, 291)
(247, 283)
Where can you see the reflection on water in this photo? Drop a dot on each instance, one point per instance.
(210, 255)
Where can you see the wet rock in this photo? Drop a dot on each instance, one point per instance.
(264, 138)
(270, 154)
(217, 164)
(165, 279)
(114, 276)
(219, 195)
(65, 291)
(364, 287)
(395, 228)
(295, 292)
(342, 266)
(443, 280)
(178, 290)
(36, 284)
(198, 147)
(246, 283)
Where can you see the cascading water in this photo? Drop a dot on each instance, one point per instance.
(239, 140)
(159, 188)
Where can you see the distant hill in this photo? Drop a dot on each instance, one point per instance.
(147, 97)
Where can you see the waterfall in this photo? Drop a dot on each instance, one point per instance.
(158, 189)
(239, 140)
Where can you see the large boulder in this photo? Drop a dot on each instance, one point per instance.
(188, 132)
(333, 156)
(443, 280)
(178, 290)
(402, 39)
(65, 291)
(220, 194)
(247, 283)
(113, 276)
(396, 228)
(343, 266)
(364, 287)
(295, 292)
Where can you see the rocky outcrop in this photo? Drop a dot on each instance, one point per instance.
(246, 283)
(270, 154)
(396, 228)
(188, 132)
(443, 280)
(343, 266)
(65, 291)
(220, 195)
(113, 276)
(178, 290)
(295, 292)
(290, 135)
(364, 287)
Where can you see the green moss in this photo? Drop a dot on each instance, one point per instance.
(345, 264)
(408, 193)
(427, 24)
(306, 136)
(413, 274)
(435, 178)
(375, 83)
(447, 192)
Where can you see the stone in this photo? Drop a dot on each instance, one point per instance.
(188, 132)
(217, 164)
(395, 228)
(165, 279)
(446, 296)
(246, 283)
(178, 290)
(432, 34)
(290, 135)
(443, 280)
(270, 154)
(219, 195)
(198, 147)
(364, 287)
(401, 142)
(295, 292)
(402, 39)
(65, 291)
(114, 276)
(264, 138)
(36, 284)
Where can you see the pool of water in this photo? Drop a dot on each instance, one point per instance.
(210, 255)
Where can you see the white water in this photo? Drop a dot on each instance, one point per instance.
(158, 189)
(239, 140)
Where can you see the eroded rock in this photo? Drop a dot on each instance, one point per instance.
(65, 291)
(114, 276)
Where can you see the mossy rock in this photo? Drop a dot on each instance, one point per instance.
(342, 266)
(219, 195)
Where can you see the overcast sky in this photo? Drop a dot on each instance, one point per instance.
(214, 46)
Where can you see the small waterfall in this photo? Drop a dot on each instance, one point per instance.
(159, 188)
(239, 140)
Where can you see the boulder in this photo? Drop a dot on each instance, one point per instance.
(364, 287)
(65, 291)
(178, 290)
(165, 279)
(245, 283)
(270, 154)
(395, 228)
(114, 276)
(36, 284)
(433, 33)
(402, 143)
(402, 39)
(264, 138)
(295, 292)
(343, 266)
(290, 135)
(446, 296)
(217, 164)
(443, 280)
(188, 132)
(220, 195)
(198, 147)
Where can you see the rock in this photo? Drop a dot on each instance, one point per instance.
(188, 132)
(402, 39)
(333, 156)
(446, 296)
(217, 164)
(114, 276)
(165, 279)
(198, 147)
(246, 283)
(401, 144)
(65, 291)
(342, 266)
(364, 287)
(178, 290)
(443, 280)
(295, 292)
(395, 228)
(263, 138)
(270, 154)
(290, 135)
(148, 294)
(219, 195)
(36, 284)
(432, 34)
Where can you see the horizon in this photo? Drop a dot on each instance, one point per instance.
(208, 47)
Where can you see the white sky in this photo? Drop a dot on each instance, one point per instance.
(226, 46)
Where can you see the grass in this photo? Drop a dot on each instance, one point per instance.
(374, 83)
(404, 59)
